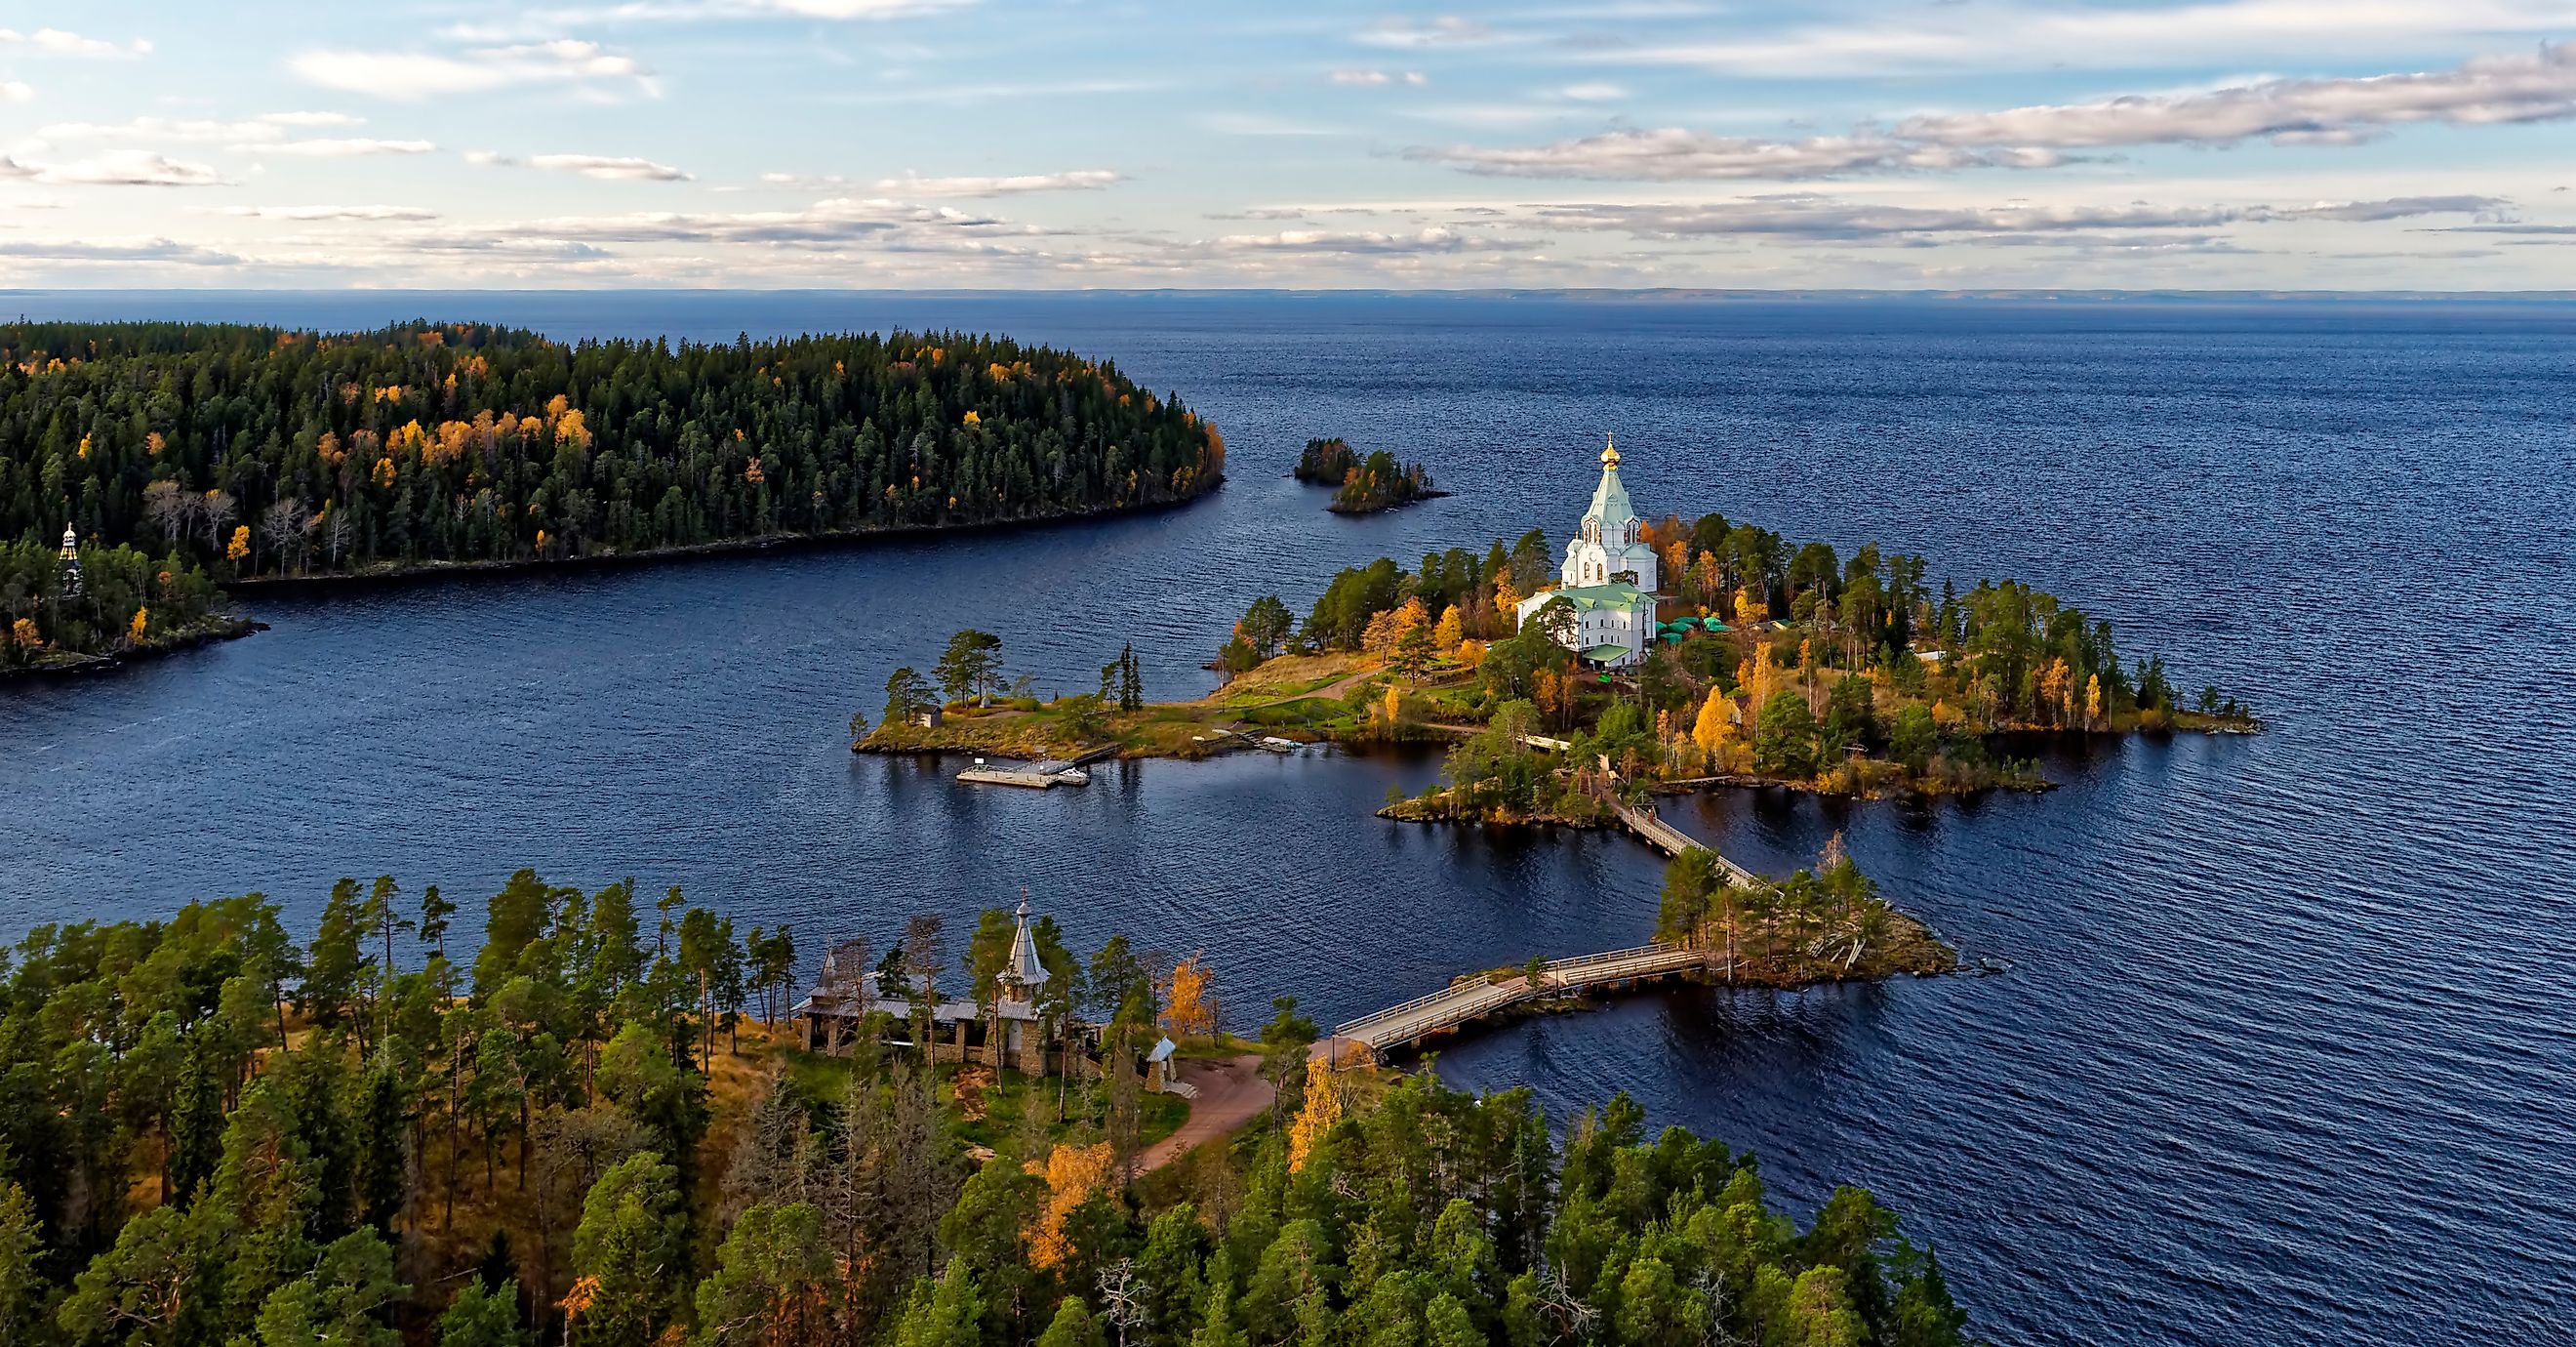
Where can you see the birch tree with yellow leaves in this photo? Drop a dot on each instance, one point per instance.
(1315, 1121)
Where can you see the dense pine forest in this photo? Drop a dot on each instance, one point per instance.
(220, 452)
(212, 1134)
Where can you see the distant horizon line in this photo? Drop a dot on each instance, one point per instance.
(1661, 293)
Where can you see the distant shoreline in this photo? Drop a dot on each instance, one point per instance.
(1671, 293)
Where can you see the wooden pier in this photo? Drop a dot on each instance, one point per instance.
(1046, 774)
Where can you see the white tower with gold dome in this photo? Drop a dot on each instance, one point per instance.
(1608, 579)
(1610, 544)
(71, 585)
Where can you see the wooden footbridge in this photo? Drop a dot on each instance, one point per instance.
(1467, 1000)
(1458, 1003)
(1672, 841)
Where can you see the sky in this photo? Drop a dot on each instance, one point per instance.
(1027, 144)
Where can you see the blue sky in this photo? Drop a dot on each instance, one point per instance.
(2273, 144)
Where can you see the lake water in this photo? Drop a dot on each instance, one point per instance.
(2285, 1056)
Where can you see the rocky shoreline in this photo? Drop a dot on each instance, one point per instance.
(206, 631)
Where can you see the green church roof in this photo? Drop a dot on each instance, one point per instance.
(1585, 598)
(1610, 507)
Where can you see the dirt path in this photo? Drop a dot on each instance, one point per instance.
(1231, 1093)
(1333, 691)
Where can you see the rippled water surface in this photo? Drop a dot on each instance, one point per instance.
(2286, 1055)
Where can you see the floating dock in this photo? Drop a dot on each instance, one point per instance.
(1042, 776)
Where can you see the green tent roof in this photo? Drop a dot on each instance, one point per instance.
(1606, 653)
(1616, 595)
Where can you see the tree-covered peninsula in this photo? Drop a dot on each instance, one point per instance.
(214, 1133)
(226, 452)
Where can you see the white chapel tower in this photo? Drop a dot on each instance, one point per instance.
(1610, 540)
(1608, 578)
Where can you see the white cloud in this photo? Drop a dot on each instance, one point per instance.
(1493, 116)
(1673, 154)
(614, 168)
(412, 76)
(128, 168)
(1378, 77)
(1592, 91)
(340, 149)
(851, 9)
(825, 225)
(1809, 216)
(2539, 87)
(555, 20)
(1079, 180)
(16, 91)
(272, 126)
(1436, 239)
(145, 250)
(56, 42)
(1448, 30)
(2309, 112)
(310, 213)
(2023, 37)
(2399, 208)
(605, 167)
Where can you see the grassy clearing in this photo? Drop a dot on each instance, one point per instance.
(1284, 696)
(985, 1112)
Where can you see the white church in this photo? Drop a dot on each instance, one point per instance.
(1609, 577)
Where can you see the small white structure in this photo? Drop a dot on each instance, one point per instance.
(71, 587)
(1608, 578)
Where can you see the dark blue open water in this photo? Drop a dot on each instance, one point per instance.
(2287, 1056)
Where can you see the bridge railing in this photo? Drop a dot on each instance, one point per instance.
(1483, 996)
(1346, 1028)
(1582, 961)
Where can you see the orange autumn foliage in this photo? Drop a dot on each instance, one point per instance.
(1450, 631)
(1315, 1121)
(1073, 1174)
(1192, 1013)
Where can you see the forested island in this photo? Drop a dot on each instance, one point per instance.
(1789, 667)
(188, 456)
(586, 1132)
(1365, 485)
